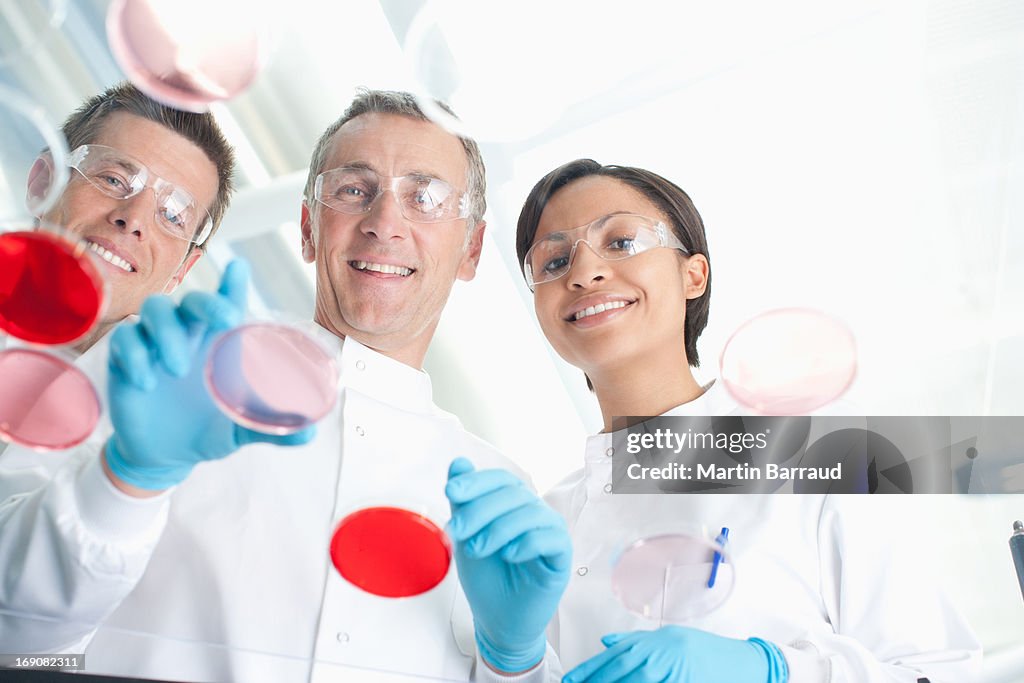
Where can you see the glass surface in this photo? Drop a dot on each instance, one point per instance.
(27, 25)
(789, 361)
(45, 403)
(188, 53)
(30, 181)
(665, 577)
(391, 552)
(50, 290)
(272, 377)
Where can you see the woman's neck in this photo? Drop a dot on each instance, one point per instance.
(644, 389)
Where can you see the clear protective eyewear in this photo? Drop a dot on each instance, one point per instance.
(421, 198)
(118, 175)
(613, 237)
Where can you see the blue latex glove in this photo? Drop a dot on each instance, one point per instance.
(164, 419)
(681, 655)
(513, 554)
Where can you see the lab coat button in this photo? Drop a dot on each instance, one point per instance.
(360, 365)
(582, 571)
(610, 452)
(360, 431)
(607, 488)
(342, 637)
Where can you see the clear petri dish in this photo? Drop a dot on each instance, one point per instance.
(188, 53)
(391, 552)
(666, 577)
(272, 377)
(789, 361)
(31, 180)
(45, 402)
(51, 291)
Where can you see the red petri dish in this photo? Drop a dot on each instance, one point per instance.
(50, 291)
(390, 552)
(45, 403)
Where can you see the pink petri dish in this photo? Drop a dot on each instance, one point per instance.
(665, 578)
(182, 55)
(45, 403)
(50, 290)
(789, 361)
(272, 378)
(390, 552)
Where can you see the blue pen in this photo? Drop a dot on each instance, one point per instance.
(717, 559)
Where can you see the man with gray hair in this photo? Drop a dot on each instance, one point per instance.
(237, 569)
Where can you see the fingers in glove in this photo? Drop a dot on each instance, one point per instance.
(502, 531)
(469, 518)
(463, 488)
(167, 334)
(552, 544)
(234, 284)
(130, 357)
(244, 435)
(614, 664)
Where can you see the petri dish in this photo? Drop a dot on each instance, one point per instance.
(665, 577)
(51, 291)
(391, 552)
(188, 53)
(272, 377)
(45, 403)
(789, 361)
(31, 181)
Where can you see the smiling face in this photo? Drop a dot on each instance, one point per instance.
(380, 277)
(603, 315)
(137, 257)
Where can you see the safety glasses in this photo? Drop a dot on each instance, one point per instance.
(612, 237)
(118, 175)
(421, 198)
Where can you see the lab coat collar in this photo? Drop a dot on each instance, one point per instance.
(713, 401)
(385, 379)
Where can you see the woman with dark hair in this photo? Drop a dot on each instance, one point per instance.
(618, 263)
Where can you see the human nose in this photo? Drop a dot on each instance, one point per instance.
(585, 267)
(385, 220)
(135, 214)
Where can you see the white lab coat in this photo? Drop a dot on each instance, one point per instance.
(228, 576)
(825, 578)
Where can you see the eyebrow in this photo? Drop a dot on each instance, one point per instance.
(126, 165)
(365, 165)
(559, 235)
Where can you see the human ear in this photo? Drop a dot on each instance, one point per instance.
(308, 241)
(40, 177)
(470, 260)
(695, 273)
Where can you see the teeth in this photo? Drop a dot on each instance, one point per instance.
(383, 268)
(111, 257)
(600, 308)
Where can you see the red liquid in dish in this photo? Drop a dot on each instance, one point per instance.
(390, 552)
(50, 292)
(45, 403)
